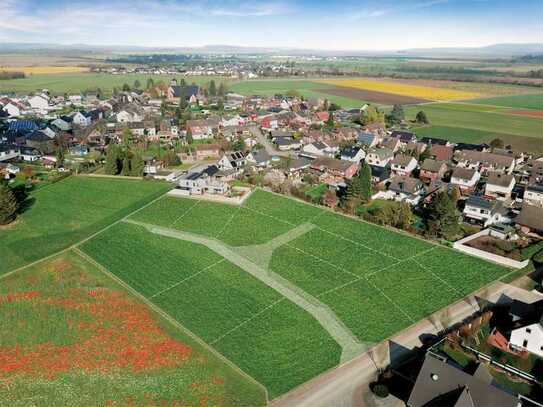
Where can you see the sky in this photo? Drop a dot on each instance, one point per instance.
(316, 24)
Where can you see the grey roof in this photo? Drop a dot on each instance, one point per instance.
(442, 384)
(538, 187)
(531, 216)
(432, 165)
(405, 184)
(188, 90)
(350, 151)
(502, 180)
(480, 202)
(402, 159)
(463, 173)
(261, 156)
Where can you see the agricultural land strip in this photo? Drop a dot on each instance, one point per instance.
(351, 347)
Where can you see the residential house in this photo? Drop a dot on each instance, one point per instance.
(80, 150)
(151, 165)
(533, 194)
(190, 93)
(368, 140)
(484, 211)
(7, 170)
(128, 115)
(287, 143)
(298, 165)
(379, 174)
(202, 181)
(440, 383)
(432, 170)
(530, 219)
(441, 152)
(207, 151)
(466, 179)
(260, 158)
(39, 140)
(403, 164)
(22, 125)
(391, 143)
(235, 160)
(433, 141)
(8, 152)
(39, 102)
(379, 157)
(82, 119)
(403, 189)
(30, 154)
(484, 162)
(499, 185)
(318, 149)
(528, 337)
(334, 172)
(203, 128)
(352, 153)
(62, 124)
(404, 136)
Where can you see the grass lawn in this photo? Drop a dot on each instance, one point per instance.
(79, 82)
(306, 88)
(251, 324)
(372, 278)
(68, 211)
(72, 336)
(526, 101)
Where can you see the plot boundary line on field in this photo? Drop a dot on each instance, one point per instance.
(358, 278)
(229, 221)
(246, 321)
(184, 213)
(327, 231)
(187, 278)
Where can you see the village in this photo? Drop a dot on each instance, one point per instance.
(483, 199)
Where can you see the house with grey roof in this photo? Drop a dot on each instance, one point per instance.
(499, 186)
(379, 157)
(485, 212)
(402, 188)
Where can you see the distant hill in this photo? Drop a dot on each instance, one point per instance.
(496, 50)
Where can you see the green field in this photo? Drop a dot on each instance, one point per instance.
(68, 211)
(79, 82)
(72, 336)
(457, 134)
(306, 88)
(485, 121)
(527, 101)
(374, 280)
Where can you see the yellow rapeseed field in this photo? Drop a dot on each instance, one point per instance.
(43, 70)
(416, 91)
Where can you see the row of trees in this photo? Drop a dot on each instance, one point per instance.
(8, 205)
(122, 160)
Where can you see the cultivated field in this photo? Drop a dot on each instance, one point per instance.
(68, 211)
(79, 82)
(284, 289)
(71, 336)
(45, 70)
(404, 89)
(528, 101)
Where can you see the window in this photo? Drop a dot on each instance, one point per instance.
(525, 343)
(528, 331)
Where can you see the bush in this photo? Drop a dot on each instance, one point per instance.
(380, 390)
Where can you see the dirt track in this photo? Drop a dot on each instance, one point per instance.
(373, 96)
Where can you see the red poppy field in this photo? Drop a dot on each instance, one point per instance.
(70, 336)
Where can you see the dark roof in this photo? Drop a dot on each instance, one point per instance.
(188, 90)
(366, 138)
(37, 136)
(538, 187)
(23, 125)
(433, 140)
(480, 202)
(403, 135)
(472, 147)
(261, 156)
(284, 141)
(381, 173)
(531, 216)
(442, 384)
(527, 312)
(350, 151)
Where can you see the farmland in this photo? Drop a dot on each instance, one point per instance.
(71, 336)
(527, 101)
(415, 91)
(68, 211)
(369, 277)
(79, 82)
(46, 70)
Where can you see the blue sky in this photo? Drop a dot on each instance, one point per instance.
(344, 25)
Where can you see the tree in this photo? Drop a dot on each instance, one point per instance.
(190, 140)
(371, 115)
(60, 157)
(455, 194)
(365, 182)
(126, 166)
(137, 84)
(426, 153)
(330, 198)
(126, 87)
(212, 88)
(497, 143)
(405, 216)
(115, 91)
(136, 166)
(222, 90)
(127, 137)
(8, 205)
(396, 116)
(182, 97)
(421, 118)
(238, 145)
(330, 122)
(293, 93)
(442, 217)
(150, 83)
(112, 160)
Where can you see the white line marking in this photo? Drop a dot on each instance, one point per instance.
(184, 213)
(187, 278)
